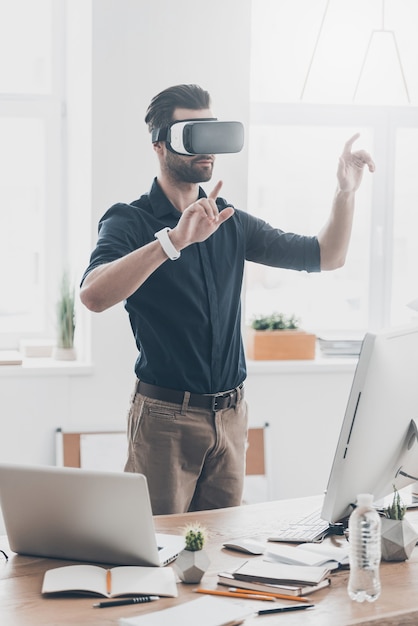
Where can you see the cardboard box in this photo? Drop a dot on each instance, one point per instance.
(275, 345)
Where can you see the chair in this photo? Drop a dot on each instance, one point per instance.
(105, 450)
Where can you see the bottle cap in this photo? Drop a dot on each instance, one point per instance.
(365, 499)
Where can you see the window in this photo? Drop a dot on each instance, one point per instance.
(405, 221)
(307, 62)
(294, 190)
(31, 204)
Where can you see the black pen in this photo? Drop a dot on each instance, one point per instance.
(282, 609)
(136, 600)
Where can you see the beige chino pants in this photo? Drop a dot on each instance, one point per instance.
(193, 458)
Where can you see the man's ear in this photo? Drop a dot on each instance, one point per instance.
(158, 146)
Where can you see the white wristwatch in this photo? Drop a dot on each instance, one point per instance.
(166, 244)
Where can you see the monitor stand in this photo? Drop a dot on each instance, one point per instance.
(404, 470)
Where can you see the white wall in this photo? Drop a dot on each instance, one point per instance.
(304, 405)
(135, 48)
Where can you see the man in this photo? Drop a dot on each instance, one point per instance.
(176, 257)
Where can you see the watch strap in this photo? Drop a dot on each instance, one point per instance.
(166, 244)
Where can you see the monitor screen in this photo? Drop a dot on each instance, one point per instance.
(377, 447)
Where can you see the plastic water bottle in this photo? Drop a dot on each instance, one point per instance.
(365, 551)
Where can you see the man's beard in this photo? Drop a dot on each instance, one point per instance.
(187, 169)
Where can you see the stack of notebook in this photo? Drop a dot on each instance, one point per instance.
(10, 357)
(276, 578)
(340, 346)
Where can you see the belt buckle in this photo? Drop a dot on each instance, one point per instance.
(230, 395)
(214, 402)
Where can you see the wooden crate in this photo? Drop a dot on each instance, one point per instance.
(275, 345)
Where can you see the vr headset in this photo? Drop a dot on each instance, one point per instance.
(201, 136)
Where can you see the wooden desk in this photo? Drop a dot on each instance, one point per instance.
(21, 603)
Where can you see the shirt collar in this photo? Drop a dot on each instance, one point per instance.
(161, 205)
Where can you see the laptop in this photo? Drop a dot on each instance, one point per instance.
(82, 515)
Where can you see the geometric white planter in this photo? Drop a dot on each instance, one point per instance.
(190, 566)
(398, 539)
(64, 354)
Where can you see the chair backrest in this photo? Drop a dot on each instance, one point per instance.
(256, 462)
(87, 448)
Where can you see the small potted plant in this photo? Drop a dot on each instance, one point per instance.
(278, 336)
(398, 536)
(65, 321)
(193, 561)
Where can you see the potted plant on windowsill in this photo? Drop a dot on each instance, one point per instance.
(192, 562)
(277, 336)
(64, 350)
(398, 536)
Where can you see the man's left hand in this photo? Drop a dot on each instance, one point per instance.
(351, 165)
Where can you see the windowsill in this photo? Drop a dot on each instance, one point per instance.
(319, 365)
(51, 367)
(47, 367)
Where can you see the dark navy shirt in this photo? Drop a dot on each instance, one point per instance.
(186, 317)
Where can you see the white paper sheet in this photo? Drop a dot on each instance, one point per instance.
(207, 611)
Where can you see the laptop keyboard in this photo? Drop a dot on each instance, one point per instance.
(309, 529)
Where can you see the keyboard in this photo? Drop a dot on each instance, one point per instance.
(308, 529)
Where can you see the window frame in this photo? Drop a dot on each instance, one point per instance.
(49, 108)
(384, 122)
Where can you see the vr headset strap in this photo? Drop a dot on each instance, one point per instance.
(159, 134)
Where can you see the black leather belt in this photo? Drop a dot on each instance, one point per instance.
(214, 402)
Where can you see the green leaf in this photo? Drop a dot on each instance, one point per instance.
(275, 321)
(66, 313)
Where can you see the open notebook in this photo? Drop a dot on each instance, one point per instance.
(85, 515)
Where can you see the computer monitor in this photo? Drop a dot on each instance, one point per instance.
(377, 447)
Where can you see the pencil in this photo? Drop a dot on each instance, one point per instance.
(230, 594)
(282, 596)
(109, 581)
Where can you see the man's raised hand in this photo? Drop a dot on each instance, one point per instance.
(200, 220)
(351, 165)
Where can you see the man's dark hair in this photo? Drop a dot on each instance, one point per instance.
(161, 109)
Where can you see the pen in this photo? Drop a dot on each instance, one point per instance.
(231, 594)
(136, 600)
(282, 596)
(282, 609)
